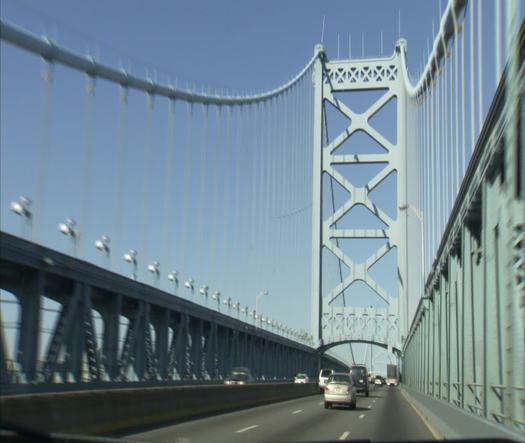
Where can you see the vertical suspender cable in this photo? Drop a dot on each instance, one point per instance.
(202, 221)
(437, 149)
(455, 94)
(216, 220)
(480, 68)
(253, 222)
(184, 234)
(497, 19)
(463, 115)
(146, 207)
(226, 211)
(271, 180)
(168, 244)
(43, 149)
(122, 145)
(445, 139)
(86, 152)
(238, 155)
(263, 150)
(471, 66)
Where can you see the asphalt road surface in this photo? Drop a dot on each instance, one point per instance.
(385, 415)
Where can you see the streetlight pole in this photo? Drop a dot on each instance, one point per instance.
(261, 294)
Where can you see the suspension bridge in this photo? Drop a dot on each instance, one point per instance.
(389, 206)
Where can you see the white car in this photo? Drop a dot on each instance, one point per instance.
(301, 378)
(340, 390)
(323, 378)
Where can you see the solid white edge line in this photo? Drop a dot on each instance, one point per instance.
(297, 412)
(247, 429)
(344, 435)
(437, 435)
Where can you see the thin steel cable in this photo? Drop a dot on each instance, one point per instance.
(170, 195)
(472, 84)
(463, 102)
(215, 199)
(226, 212)
(236, 222)
(85, 181)
(118, 204)
(202, 221)
(480, 67)
(497, 20)
(43, 149)
(184, 234)
(456, 95)
(446, 147)
(146, 181)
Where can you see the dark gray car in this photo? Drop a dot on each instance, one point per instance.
(359, 376)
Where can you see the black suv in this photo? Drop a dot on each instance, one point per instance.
(360, 376)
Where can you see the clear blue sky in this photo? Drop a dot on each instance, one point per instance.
(225, 46)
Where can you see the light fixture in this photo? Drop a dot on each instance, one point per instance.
(189, 283)
(131, 257)
(103, 244)
(68, 229)
(204, 290)
(21, 207)
(154, 269)
(174, 277)
(216, 295)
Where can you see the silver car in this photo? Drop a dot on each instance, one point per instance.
(340, 390)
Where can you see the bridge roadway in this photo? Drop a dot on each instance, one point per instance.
(384, 415)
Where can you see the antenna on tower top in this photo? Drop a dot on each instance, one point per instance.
(322, 29)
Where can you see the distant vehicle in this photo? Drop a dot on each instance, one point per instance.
(378, 380)
(301, 378)
(340, 390)
(323, 378)
(359, 374)
(239, 376)
(391, 375)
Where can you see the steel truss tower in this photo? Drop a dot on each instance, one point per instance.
(332, 323)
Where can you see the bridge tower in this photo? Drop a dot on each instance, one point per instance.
(334, 322)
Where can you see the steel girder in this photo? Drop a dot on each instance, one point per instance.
(466, 343)
(109, 328)
(337, 324)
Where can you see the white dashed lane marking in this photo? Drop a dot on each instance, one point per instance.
(247, 429)
(297, 412)
(361, 416)
(344, 435)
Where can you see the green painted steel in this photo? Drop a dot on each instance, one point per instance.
(466, 345)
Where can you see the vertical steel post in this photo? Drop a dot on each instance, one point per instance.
(317, 204)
